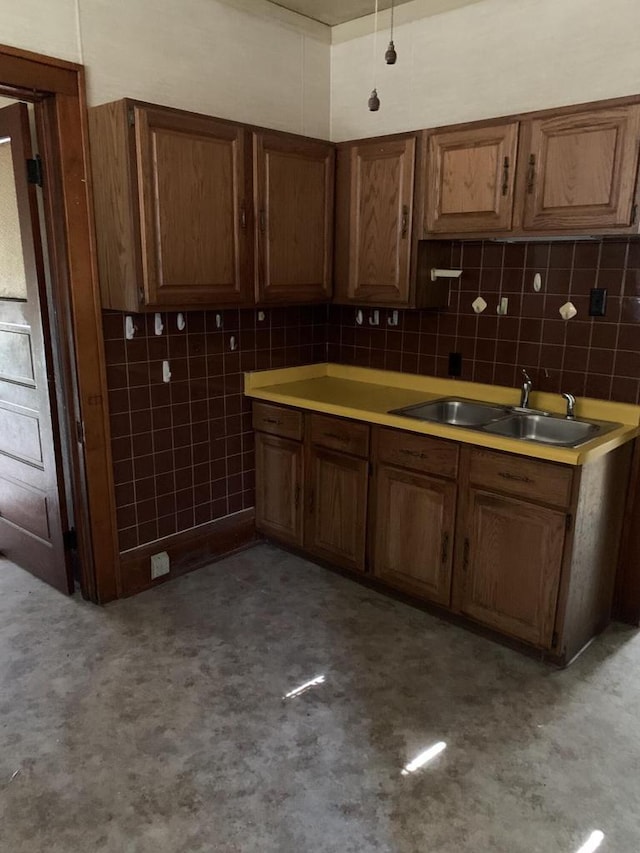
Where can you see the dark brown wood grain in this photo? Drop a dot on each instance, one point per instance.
(279, 488)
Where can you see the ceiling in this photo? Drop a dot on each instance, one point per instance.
(334, 12)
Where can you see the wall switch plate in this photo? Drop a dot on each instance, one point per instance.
(455, 364)
(598, 302)
(160, 565)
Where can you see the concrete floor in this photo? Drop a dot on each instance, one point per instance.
(158, 724)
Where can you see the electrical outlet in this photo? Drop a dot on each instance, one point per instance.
(455, 364)
(160, 565)
(598, 302)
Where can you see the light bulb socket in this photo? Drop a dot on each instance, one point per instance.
(391, 57)
(374, 101)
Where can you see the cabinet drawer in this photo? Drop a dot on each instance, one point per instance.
(540, 481)
(418, 452)
(338, 434)
(276, 420)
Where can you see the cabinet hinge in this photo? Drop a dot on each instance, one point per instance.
(80, 432)
(34, 170)
(131, 117)
(70, 540)
(568, 521)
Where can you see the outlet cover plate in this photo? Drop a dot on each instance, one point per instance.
(160, 565)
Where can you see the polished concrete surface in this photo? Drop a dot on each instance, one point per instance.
(158, 724)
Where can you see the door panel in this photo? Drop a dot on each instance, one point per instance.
(337, 507)
(581, 169)
(32, 511)
(294, 223)
(279, 467)
(470, 183)
(194, 219)
(414, 528)
(380, 221)
(511, 566)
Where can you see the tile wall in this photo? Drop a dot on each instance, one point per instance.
(183, 451)
(598, 357)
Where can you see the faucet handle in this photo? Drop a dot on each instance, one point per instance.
(571, 404)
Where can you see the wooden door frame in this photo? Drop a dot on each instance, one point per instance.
(57, 88)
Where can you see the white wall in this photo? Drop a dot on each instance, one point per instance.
(240, 59)
(488, 59)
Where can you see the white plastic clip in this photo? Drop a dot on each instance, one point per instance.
(374, 318)
(166, 371)
(392, 319)
(359, 317)
(158, 325)
(129, 328)
(218, 321)
(233, 344)
(180, 322)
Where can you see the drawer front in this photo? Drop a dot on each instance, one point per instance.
(338, 434)
(546, 482)
(276, 420)
(418, 452)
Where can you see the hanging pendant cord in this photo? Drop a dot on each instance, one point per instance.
(391, 20)
(375, 43)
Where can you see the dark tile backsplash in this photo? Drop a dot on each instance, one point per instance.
(183, 451)
(592, 356)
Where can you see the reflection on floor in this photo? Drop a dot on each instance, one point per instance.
(266, 705)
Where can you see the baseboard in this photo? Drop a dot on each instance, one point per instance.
(187, 551)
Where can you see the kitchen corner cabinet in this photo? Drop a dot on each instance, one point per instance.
(374, 221)
(471, 179)
(294, 188)
(171, 192)
(524, 547)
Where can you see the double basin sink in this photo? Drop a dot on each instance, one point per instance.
(508, 421)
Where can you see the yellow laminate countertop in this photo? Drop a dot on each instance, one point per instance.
(369, 395)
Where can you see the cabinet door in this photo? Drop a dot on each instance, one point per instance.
(470, 179)
(510, 566)
(336, 516)
(279, 472)
(294, 218)
(374, 219)
(579, 171)
(414, 521)
(192, 185)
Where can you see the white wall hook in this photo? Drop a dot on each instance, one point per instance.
(374, 318)
(502, 306)
(537, 282)
(260, 316)
(166, 371)
(392, 319)
(233, 344)
(180, 322)
(359, 317)
(218, 321)
(568, 311)
(129, 328)
(158, 324)
(437, 273)
(479, 305)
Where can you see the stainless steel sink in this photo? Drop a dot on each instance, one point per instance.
(454, 411)
(507, 421)
(546, 430)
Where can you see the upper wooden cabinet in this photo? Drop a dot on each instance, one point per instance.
(171, 192)
(471, 179)
(579, 170)
(294, 181)
(190, 213)
(374, 214)
(560, 172)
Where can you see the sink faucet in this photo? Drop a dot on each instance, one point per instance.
(527, 385)
(571, 405)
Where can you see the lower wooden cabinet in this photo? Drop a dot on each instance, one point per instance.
(525, 547)
(512, 554)
(279, 472)
(336, 517)
(413, 532)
